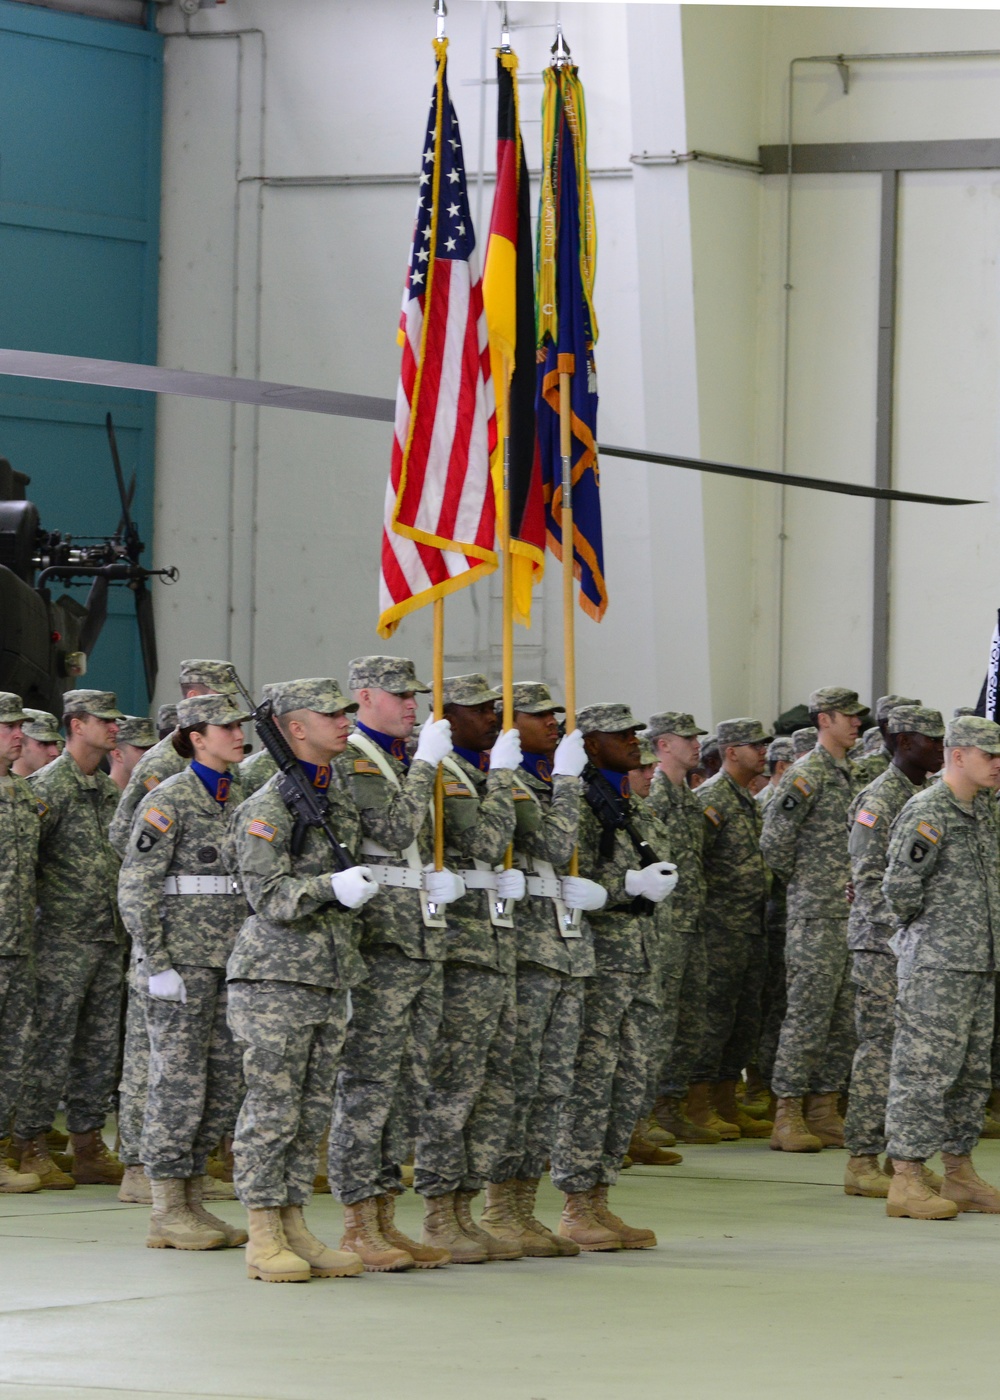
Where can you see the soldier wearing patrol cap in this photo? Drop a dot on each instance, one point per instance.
(466, 1114)
(41, 742)
(878, 751)
(73, 1047)
(804, 841)
(674, 737)
(916, 736)
(736, 949)
(182, 910)
(166, 720)
(804, 741)
(290, 974)
(397, 1010)
(780, 757)
(555, 953)
(621, 1005)
(136, 737)
(163, 760)
(780, 754)
(942, 882)
(18, 853)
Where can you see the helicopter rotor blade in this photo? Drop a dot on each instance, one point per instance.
(132, 534)
(129, 497)
(147, 635)
(97, 612)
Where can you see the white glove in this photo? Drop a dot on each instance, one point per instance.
(577, 893)
(354, 887)
(443, 886)
(434, 742)
(570, 756)
(506, 752)
(168, 986)
(655, 882)
(510, 883)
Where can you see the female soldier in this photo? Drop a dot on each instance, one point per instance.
(184, 910)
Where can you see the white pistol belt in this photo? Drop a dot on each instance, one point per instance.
(543, 886)
(399, 877)
(200, 884)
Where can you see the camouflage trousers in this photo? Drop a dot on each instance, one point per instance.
(774, 1002)
(291, 1035)
(621, 1018)
(16, 993)
(817, 1036)
(397, 1011)
(737, 967)
(670, 1008)
(72, 1050)
(549, 1018)
(939, 1080)
(874, 978)
(995, 1056)
(195, 1084)
(134, 1076)
(679, 1056)
(468, 1106)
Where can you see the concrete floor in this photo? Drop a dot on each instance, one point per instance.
(768, 1281)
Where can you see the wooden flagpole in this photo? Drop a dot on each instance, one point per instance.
(438, 683)
(569, 620)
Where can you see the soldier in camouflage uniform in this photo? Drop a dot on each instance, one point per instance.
(18, 853)
(290, 974)
(621, 1015)
(736, 949)
(804, 741)
(72, 1051)
(136, 737)
(397, 1010)
(942, 882)
(774, 1002)
(916, 736)
(41, 743)
(166, 720)
(878, 755)
(674, 737)
(466, 1114)
(182, 910)
(804, 841)
(555, 953)
(256, 769)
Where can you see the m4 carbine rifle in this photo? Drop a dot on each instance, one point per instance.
(612, 812)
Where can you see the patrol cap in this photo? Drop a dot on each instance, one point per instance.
(781, 750)
(646, 755)
(885, 705)
(473, 689)
(871, 742)
(42, 726)
(534, 698)
(166, 717)
(673, 722)
(319, 693)
(216, 674)
(963, 710)
(102, 703)
(605, 719)
(11, 709)
(740, 731)
(136, 730)
(708, 748)
(396, 674)
(914, 719)
(209, 709)
(973, 732)
(836, 697)
(804, 740)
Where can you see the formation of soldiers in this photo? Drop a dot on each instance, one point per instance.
(637, 937)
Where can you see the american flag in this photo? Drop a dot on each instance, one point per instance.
(440, 514)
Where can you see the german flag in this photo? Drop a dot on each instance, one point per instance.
(509, 298)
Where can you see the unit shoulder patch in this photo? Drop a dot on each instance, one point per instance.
(147, 840)
(932, 833)
(866, 818)
(918, 852)
(151, 782)
(158, 819)
(263, 829)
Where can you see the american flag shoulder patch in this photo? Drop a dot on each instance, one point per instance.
(714, 815)
(263, 829)
(866, 818)
(159, 819)
(42, 809)
(150, 783)
(452, 788)
(365, 765)
(930, 832)
(804, 786)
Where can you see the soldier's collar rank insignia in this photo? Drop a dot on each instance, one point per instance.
(866, 818)
(159, 819)
(264, 830)
(931, 832)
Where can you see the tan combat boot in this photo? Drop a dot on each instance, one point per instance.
(93, 1164)
(538, 1241)
(963, 1185)
(269, 1256)
(669, 1113)
(864, 1177)
(823, 1120)
(630, 1236)
(441, 1228)
(500, 1230)
(647, 1154)
(194, 1195)
(424, 1256)
(580, 1224)
(214, 1190)
(991, 1120)
(701, 1112)
(135, 1189)
(790, 1132)
(172, 1224)
(363, 1236)
(15, 1183)
(910, 1196)
(730, 1111)
(36, 1159)
(659, 1137)
(753, 1094)
(323, 1262)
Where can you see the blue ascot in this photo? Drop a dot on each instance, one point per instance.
(619, 781)
(538, 764)
(317, 773)
(396, 748)
(476, 758)
(216, 784)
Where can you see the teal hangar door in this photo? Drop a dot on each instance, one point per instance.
(80, 121)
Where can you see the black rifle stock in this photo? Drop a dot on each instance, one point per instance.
(611, 811)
